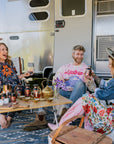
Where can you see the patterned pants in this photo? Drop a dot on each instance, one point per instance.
(76, 109)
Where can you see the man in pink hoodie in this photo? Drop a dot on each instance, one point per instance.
(70, 77)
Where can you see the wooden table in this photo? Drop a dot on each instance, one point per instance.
(30, 104)
(37, 104)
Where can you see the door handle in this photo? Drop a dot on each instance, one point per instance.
(56, 30)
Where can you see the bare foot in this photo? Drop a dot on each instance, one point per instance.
(6, 125)
(3, 121)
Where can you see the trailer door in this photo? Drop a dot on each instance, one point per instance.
(73, 26)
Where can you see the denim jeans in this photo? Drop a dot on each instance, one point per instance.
(78, 90)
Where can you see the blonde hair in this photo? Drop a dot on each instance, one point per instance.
(79, 47)
(8, 58)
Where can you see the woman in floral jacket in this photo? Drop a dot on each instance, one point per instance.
(8, 75)
(97, 116)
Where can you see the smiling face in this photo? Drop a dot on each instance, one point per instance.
(78, 56)
(111, 66)
(3, 53)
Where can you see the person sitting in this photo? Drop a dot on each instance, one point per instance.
(73, 72)
(8, 76)
(71, 78)
(97, 116)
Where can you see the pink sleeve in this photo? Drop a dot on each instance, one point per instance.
(60, 73)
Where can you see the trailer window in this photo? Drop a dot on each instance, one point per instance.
(38, 3)
(38, 16)
(102, 43)
(105, 7)
(73, 7)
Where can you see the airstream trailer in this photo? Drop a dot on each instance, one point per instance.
(43, 32)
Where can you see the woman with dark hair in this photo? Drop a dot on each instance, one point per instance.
(8, 76)
(98, 117)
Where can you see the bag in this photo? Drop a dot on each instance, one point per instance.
(77, 135)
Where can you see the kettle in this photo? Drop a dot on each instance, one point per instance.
(47, 92)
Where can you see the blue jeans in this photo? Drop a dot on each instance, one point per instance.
(78, 90)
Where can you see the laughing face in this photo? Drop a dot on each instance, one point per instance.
(78, 56)
(3, 53)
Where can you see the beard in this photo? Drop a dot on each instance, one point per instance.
(77, 60)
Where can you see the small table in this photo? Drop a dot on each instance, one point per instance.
(60, 100)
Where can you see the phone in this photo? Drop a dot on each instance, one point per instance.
(89, 71)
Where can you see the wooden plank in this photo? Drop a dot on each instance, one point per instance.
(34, 105)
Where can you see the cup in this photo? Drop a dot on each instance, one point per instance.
(13, 97)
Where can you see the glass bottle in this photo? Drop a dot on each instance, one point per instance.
(13, 97)
(27, 90)
(18, 91)
(36, 91)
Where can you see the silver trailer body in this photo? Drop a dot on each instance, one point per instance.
(46, 41)
(25, 35)
(103, 34)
